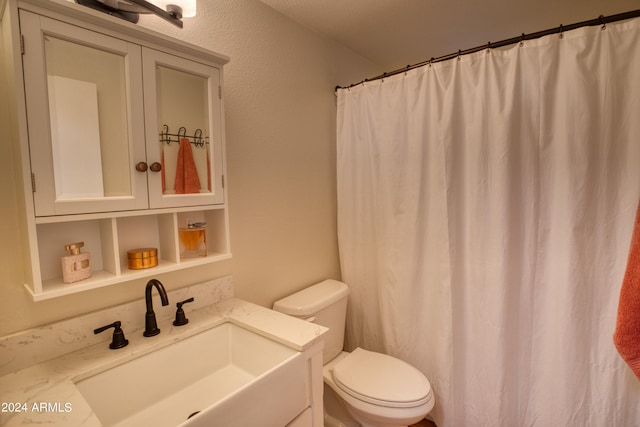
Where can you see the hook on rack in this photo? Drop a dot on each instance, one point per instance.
(196, 139)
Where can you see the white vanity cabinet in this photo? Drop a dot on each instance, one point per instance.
(120, 137)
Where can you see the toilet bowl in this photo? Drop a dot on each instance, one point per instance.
(375, 389)
(397, 395)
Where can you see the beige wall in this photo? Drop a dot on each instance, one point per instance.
(280, 128)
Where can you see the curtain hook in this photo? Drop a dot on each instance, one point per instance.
(522, 40)
(459, 52)
(431, 62)
(561, 32)
(488, 47)
(604, 23)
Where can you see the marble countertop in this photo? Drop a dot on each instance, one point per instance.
(45, 392)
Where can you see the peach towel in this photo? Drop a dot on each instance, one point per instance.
(627, 333)
(187, 180)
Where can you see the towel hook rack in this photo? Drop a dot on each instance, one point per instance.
(196, 139)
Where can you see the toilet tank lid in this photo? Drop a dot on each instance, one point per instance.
(312, 299)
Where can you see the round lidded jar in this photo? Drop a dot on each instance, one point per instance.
(141, 258)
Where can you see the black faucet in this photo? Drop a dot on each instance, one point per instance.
(150, 326)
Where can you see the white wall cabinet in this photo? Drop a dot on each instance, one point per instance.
(121, 142)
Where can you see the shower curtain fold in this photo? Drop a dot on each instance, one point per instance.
(483, 214)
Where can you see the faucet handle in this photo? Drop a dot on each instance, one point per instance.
(118, 340)
(181, 318)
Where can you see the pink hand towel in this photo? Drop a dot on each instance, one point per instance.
(187, 180)
(627, 333)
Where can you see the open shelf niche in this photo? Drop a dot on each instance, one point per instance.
(109, 238)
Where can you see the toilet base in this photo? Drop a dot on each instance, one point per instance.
(335, 413)
(365, 422)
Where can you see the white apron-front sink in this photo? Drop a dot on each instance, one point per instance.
(226, 375)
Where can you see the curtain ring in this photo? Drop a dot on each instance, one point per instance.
(522, 40)
(561, 32)
(488, 47)
(459, 52)
(430, 62)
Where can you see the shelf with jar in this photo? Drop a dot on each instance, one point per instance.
(114, 243)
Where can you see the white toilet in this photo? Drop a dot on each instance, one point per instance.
(375, 389)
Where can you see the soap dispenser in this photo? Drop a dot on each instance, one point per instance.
(77, 265)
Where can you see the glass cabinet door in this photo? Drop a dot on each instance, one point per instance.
(84, 111)
(183, 116)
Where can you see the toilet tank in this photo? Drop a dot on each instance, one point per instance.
(324, 303)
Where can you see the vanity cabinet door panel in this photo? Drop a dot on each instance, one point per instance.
(85, 118)
(183, 118)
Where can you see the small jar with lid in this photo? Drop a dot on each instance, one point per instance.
(142, 258)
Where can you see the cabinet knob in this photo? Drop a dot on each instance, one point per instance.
(141, 167)
(155, 167)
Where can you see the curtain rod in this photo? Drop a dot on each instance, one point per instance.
(601, 20)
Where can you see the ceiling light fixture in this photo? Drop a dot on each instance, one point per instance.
(170, 10)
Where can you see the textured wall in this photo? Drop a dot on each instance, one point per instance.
(280, 128)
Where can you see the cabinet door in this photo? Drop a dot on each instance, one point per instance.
(85, 118)
(183, 118)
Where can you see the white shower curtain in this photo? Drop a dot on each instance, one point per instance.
(485, 210)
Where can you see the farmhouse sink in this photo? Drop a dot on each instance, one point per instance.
(226, 376)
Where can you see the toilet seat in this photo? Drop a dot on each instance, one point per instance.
(381, 380)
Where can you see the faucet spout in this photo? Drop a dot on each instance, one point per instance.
(150, 325)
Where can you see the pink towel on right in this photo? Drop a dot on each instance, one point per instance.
(627, 334)
(187, 180)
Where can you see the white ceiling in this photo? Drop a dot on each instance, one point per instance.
(396, 33)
